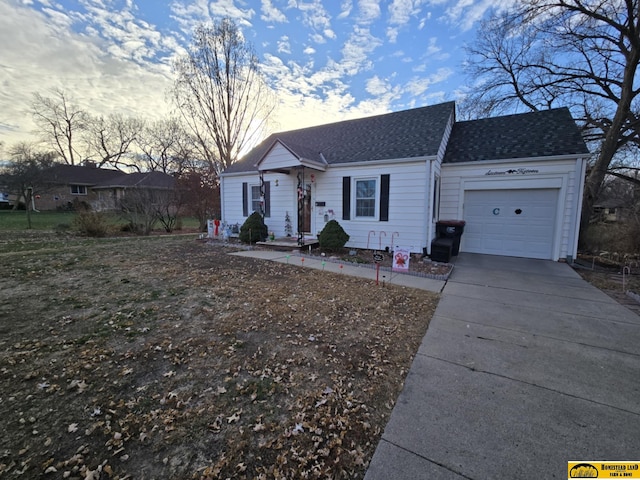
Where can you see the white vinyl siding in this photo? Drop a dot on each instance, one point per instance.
(408, 197)
(557, 175)
(409, 193)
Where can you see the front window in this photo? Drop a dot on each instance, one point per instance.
(255, 198)
(366, 198)
(78, 190)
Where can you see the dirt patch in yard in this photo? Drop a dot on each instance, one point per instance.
(167, 358)
(608, 276)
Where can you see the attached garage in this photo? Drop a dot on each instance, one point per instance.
(519, 223)
(517, 182)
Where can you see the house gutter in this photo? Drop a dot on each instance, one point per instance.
(556, 158)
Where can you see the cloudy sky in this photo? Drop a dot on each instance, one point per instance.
(327, 60)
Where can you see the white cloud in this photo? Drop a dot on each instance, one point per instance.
(356, 50)
(369, 10)
(189, 14)
(271, 13)
(392, 34)
(309, 51)
(317, 38)
(39, 55)
(314, 15)
(345, 9)
(401, 11)
(330, 34)
(423, 21)
(228, 8)
(59, 19)
(419, 85)
(435, 52)
(466, 13)
(376, 86)
(283, 45)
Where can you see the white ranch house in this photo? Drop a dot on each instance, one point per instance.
(517, 181)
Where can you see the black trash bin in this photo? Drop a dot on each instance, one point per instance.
(451, 229)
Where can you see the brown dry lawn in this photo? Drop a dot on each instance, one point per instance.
(164, 357)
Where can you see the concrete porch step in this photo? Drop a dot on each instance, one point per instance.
(289, 243)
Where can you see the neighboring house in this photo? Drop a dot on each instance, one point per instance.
(110, 192)
(516, 180)
(609, 210)
(98, 188)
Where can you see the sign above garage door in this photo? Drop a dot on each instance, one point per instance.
(517, 223)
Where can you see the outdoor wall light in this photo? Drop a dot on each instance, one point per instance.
(276, 182)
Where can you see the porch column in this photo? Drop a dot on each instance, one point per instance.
(301, 194)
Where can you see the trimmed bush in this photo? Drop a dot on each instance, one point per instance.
(253, 229)
(333, 236)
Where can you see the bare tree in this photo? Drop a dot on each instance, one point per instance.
(110, 139)
(60, 124)
(140, 207)
(200, 194)
(221, 93)
(25, 174)
(166, 147)
(576, 53)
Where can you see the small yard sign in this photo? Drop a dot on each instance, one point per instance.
(401, 257)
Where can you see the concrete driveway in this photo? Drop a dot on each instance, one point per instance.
(524, 367)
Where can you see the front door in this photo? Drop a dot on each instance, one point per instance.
(305, 206)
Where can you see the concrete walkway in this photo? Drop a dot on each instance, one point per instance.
(524, 367)
(345, 269)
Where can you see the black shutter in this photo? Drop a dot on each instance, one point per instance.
(384, 198)
(346, 198)
(267, 199)
(245, 199)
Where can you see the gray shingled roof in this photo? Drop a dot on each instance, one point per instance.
(142, 180)
(526, 135)
(80, 175)
(106, 178)
(407, 134)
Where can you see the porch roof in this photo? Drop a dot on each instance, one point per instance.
(297, 156)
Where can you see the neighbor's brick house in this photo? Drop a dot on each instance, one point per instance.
(99, 188)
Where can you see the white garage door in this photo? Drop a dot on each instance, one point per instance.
(517, 223)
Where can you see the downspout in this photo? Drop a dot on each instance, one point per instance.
(222, 212)
(429, 199)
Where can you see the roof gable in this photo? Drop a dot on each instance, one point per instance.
(545, 133)
(406, 134)
(282, 157)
